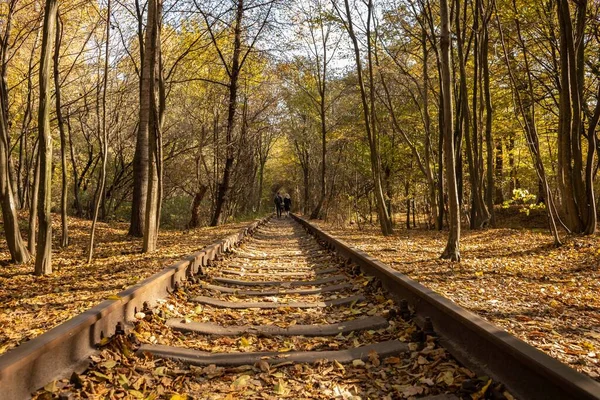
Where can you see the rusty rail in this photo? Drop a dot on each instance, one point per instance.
(527, 372)
(67, 347)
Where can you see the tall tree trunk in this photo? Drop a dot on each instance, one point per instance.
(22, 181)
(140, 158)
(195, 212)
(103, 139)
(440, 172)
(499, 195)
(427, 124)
(577, 195)
(489, 141)
(64, 240)
(43, 259)
(479, 214)
(76, 200)
(153, 64)
(223, 191)
(382, 212)
(526, 110)
(33, 207)
(16, 246)
(452, 247)
(322, 115)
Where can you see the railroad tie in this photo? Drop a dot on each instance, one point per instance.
(318, 282)
(202, 358)
(276, 292)
(264, 304)
(355, 325)
(257, 274)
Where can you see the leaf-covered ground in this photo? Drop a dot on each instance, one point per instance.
(514, 278)
(31, 305)
(423, 369)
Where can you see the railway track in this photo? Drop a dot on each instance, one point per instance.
(290, 312)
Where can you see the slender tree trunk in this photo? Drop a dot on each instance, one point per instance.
(526, 110)
(140, 158)
(153, 65)
(427, 122)
(479, 215)
(261, 178)
(103, 139)
(382, 212)
(223, 191)
(489, 141)
(33, 208)
(440, 177)
(452, 247)
(22, 181)
(76, 199)
(195, 214)
(322, 114)
(499, 195)
(43, 260)
(64, 241)
(16, 246)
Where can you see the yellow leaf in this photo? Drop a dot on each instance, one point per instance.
(179, 397)
(244, 342)
(280, 388)
(51, 387)
(109, 364)
(104, 341)
(481, 393)
(241, 382)
(136, 394)
(113, 297)
(358, 363)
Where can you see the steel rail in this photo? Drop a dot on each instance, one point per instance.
(67, 347)
(527, 372)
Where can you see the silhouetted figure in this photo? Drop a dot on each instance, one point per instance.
(278, 204)
(287, 204)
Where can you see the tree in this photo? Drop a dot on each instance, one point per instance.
(368, 105)
(152, 67)
(64, 240)
(102, 139)
(43, 260)
(18, 251)
(574, 182)
(140, 159)
(451, 251)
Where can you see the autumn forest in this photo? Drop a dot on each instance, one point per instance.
(137, 129)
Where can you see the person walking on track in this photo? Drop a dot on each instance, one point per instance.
(278, 204)
(287, 204)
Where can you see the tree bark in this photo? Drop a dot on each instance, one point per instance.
(64, 240)
(489, 141)
(43, 259)
(140, 158)
(195, 212)
(384, 220)
(103, 139)
(499, 195)
(451, 251)
(153, 65)
(223, 191)
(16, 246)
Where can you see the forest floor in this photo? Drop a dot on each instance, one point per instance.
(514, 278)
(31, 305)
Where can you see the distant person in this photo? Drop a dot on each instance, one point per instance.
(278, 204)
(287, 204)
